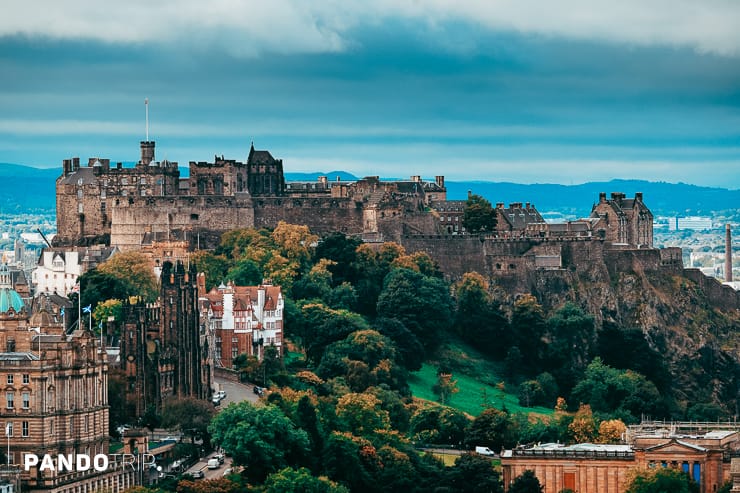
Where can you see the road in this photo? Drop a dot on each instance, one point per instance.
(236, 392)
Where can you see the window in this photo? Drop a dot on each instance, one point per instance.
(26, 398)
(71, 424)
(234, 352)
(9, 396)
(26, 378)
(24, 429)
(10, 379)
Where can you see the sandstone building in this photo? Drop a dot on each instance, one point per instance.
(702, 450)
(55, 395)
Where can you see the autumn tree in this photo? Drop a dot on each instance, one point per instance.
(135, 270)
(583, 427)
(445, 387)
(478, 215)
(213, 266)
(611, 431)
(362, 414)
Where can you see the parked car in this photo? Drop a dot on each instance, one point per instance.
(213, 463)
(219, 458)
(221, 394)
(198, 474)
(259, 390)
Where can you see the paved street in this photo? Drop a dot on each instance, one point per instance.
(236, 392)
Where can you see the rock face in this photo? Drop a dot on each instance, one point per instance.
(691, 319)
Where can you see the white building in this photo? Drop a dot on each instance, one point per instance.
(59, 268)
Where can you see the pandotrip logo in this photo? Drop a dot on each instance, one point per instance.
(83, 462)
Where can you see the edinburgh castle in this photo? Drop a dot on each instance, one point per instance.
(131, 207)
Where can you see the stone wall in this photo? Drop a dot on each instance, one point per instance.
(187, 213)
(322, 215)
(719, 295)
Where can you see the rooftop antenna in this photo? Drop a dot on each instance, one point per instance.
(146, 112)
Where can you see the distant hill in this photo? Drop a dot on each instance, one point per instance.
(23, 189)
(662, 198)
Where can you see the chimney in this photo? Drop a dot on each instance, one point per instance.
(440, 181)
(322, 180)
(638, 196)
(415, 178)
(602, 197)
(728, 253)
(470, 194)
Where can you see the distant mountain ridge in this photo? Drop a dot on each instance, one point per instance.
(25, 188)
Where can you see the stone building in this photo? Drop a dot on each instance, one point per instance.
(163, 354)
(55, 395)
(242, 320)
(702, 450)
(624, 221)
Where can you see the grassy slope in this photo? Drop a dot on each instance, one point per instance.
(473, 392)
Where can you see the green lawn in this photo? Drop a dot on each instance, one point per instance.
(473, 394)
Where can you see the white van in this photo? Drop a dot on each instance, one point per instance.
(484, 451)
(213, 463)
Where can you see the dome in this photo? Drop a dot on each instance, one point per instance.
(9, 298)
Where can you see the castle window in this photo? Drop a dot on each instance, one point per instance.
(124, 181)
(193, 217)
(10, 375)
(79, 193)
(143, 181)
(24, 428)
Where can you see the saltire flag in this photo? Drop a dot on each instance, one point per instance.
(61, 312)
(87, 309)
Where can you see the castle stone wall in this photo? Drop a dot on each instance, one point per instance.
(322, 215)
(187, 213)
(720, 295)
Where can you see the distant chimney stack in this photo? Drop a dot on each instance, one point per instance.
(602, 197)
(440, 181)
(728, 253)
(638, 196)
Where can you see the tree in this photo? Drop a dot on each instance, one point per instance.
(662, 480)
(190, 415)
(611, 431)
(526, 483)
(134, 269)
(245, 272)
(410, 352)
(478, 215)
(528, 328)
(583, 427)
(493, 429)
(261, 438)
(472, 474)
(342, 250)
(445, 387)
(362, 414)
(421, 303)
(214, 267)
(290, 480)
(478, 321)
(571, 335)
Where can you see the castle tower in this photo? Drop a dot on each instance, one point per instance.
(728, 253)
(147, 152)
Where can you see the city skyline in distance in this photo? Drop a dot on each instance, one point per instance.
(518, 92)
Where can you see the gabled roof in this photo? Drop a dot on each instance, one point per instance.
(675, 445)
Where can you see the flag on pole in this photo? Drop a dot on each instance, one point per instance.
(9, 429)
(61, 312)
(87, 309)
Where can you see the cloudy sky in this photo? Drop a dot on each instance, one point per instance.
(501, 90)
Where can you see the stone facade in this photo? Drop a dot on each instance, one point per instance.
(702, 450)
(55, 398)
(163, 353)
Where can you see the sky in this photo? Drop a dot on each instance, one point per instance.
(498, 90)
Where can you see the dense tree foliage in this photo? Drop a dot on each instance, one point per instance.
(663, 480)
(261, 438)
(479, 216)
(526, 483)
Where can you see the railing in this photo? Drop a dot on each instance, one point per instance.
(575, 454)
